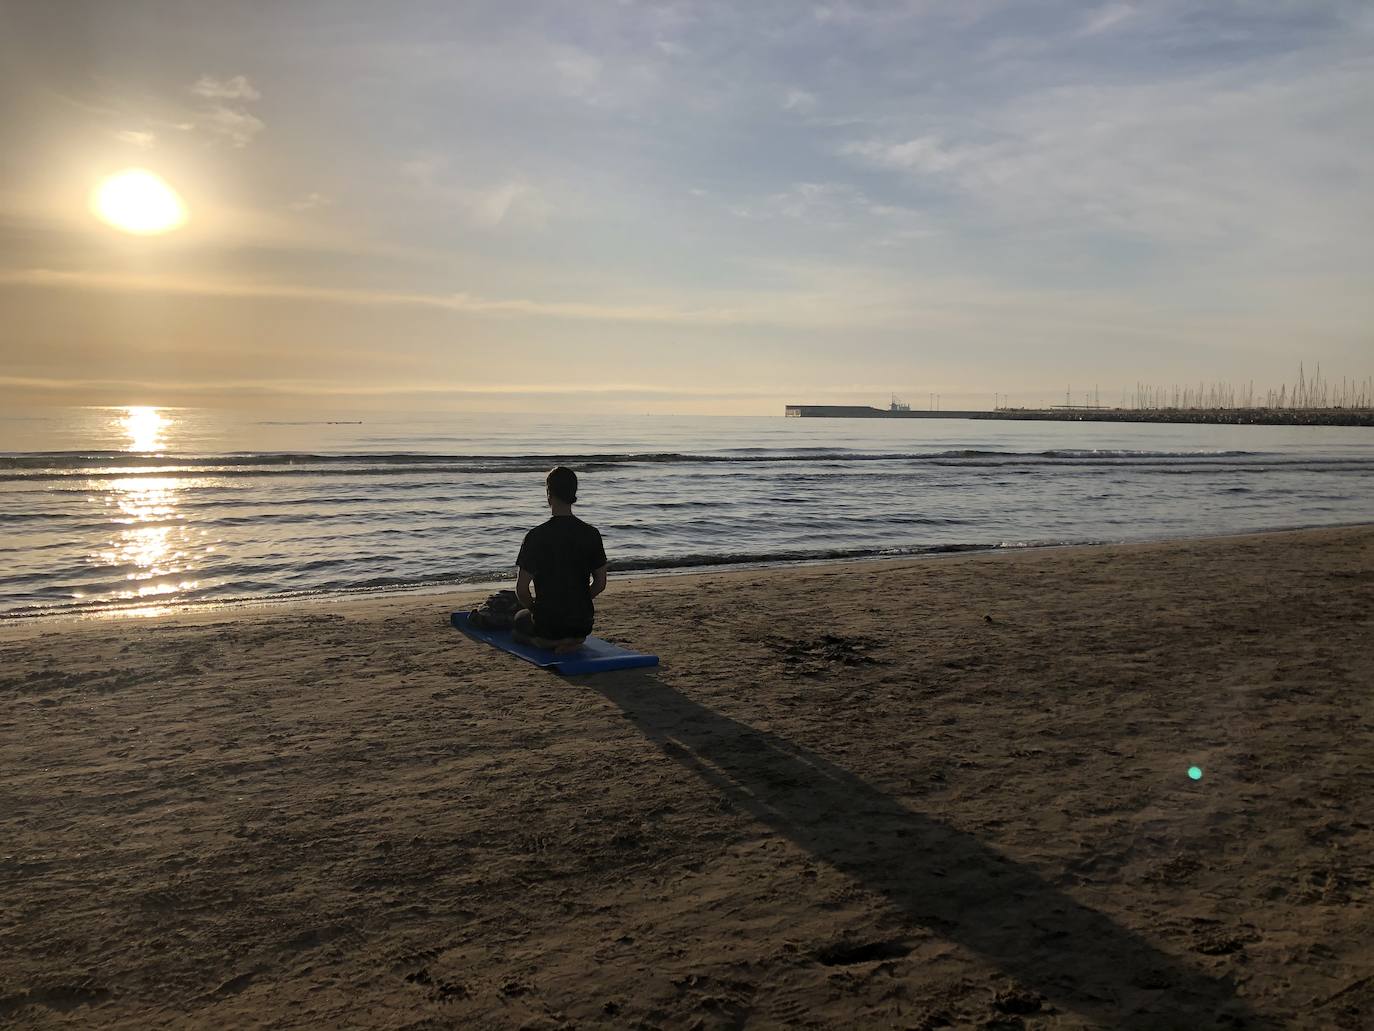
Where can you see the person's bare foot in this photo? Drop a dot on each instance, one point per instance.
(560, 646)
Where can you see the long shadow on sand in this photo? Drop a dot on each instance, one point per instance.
(937, 876)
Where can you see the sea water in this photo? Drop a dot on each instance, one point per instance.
(139, 509)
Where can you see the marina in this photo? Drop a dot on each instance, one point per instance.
(1218, 416)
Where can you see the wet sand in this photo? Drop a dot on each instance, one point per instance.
(941, 793)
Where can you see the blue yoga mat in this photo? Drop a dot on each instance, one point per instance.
(595, 655)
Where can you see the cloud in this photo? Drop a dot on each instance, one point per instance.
(142, 140)
(1106, 17)
(236, 88)
(579, 72)
(1108, 145)
(925, 154)
(830, 203)
(479, 396)
(608, 82)
(237, 126)
(834, 207)
(837, 302)
(835, 13)
(887, 14)
(310, 201)
(514, 202)
(1180, 161)
(232, 123)
(458, 302)
(511, 200)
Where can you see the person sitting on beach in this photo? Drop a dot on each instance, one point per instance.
(566, 563)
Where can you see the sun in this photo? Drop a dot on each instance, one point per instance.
(137, 201)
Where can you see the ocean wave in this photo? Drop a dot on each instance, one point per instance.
(196, 527)
(98, 467)
(193, 478)
(222, 589)
(98, 459)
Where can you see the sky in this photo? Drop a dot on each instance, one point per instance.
(684, 207)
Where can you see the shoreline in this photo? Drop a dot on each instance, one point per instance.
(145, 611)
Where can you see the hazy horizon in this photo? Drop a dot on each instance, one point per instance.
(684, 208)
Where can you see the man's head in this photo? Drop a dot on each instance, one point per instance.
(562, 484)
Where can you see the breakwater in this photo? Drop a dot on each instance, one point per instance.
(1195, 416)
(1201, 416)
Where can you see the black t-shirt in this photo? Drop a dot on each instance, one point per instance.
(561, 555)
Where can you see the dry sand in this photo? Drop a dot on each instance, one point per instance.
(919, 794)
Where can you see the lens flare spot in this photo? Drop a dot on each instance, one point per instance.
(1195, 772)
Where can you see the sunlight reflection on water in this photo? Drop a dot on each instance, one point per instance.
(153, 543)
(154, 540)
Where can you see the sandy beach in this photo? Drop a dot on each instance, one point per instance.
(913, 794)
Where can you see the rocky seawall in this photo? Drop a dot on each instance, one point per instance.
(1228, 416)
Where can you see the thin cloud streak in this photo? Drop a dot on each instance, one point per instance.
(36, 389)
(818, 301)
(234, 124)
(142, 140)
(458, 302)
(1106, 18)
(235, 88)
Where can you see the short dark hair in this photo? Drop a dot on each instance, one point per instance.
(562, 483)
